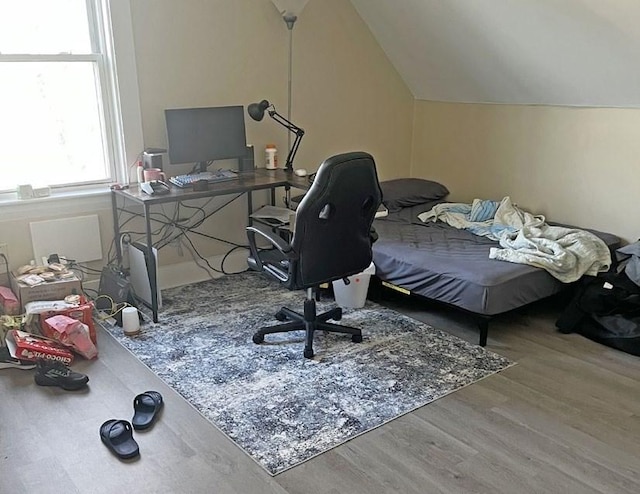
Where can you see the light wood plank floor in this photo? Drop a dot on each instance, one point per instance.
(566, 419)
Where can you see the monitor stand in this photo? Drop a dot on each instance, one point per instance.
(201, 166)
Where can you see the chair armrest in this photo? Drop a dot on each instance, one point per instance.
(273, 239)
(283, 247)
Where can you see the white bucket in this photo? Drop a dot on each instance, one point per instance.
(354, 295)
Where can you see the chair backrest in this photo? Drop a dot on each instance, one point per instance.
(332, 234)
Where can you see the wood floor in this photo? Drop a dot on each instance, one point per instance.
(566, 419)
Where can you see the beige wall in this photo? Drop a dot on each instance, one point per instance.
(346, 95)
(575, 165)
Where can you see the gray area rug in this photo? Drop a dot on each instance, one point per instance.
(279, 407)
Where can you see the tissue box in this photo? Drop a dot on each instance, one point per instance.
(25, 346)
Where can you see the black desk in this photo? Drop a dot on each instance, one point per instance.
(247, 182)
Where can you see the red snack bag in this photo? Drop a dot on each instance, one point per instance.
(72, 333)
(9, 302)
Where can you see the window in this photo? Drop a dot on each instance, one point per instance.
(59, 121)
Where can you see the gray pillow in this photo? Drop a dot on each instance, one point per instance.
(406, 192)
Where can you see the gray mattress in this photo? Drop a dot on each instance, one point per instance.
(442, 263)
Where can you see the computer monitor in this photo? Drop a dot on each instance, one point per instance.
(203, 135)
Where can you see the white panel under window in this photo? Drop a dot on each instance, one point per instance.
(74, 238)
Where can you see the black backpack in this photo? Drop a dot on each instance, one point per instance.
(606, 309)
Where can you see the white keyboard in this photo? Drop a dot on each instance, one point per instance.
(211, 177)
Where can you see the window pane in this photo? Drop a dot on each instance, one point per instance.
(44, 27)
(50, 124)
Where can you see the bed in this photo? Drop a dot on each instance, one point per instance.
(449, 265)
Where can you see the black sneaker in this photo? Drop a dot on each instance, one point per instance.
(9, 362)
(58, 374)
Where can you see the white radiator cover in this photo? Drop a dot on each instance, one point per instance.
(76, 238)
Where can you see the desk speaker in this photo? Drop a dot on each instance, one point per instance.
(152, 160)
(247, 164)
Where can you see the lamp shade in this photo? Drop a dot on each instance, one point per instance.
(256, 110)
(291, 7)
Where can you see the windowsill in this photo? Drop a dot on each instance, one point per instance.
(56, 204)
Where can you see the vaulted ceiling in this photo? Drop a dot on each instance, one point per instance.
(546, 52)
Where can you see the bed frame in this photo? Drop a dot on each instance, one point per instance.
(450, 266)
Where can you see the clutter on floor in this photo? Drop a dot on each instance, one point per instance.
(51, 282)
(45, 322)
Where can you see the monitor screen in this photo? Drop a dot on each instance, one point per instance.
(201, 135)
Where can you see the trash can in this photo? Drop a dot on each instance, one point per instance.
(353, 295)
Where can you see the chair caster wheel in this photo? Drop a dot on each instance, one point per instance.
(356, 338)
(258, 338)
(308, 353)
(281, 316)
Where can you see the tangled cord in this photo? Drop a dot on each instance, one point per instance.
(114, 310)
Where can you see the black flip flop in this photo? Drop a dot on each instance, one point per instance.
(118, 437)
(146, 408)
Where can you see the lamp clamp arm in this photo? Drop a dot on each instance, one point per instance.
(292, 128)
(284, 122)
(288, 166)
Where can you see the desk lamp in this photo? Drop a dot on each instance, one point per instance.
(256, 111)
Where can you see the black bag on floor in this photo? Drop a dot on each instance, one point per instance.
(606, 308)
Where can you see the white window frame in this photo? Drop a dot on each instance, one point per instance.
(112, 38)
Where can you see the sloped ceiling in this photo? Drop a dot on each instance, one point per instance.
(546, 52)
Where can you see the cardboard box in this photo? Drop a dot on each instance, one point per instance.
(25, 346)
(49, 290)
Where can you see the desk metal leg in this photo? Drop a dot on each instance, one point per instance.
(287, 196)
(151, 265)
(116, 226)
(249, 208)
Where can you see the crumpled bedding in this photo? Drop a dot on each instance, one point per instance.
(565, 253)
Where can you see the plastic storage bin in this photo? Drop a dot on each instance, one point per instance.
(354, 295)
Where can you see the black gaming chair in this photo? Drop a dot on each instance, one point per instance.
(331, 241)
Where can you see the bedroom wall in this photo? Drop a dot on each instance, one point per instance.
(574, 165)
(346, 94)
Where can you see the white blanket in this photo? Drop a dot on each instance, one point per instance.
(565, 253)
